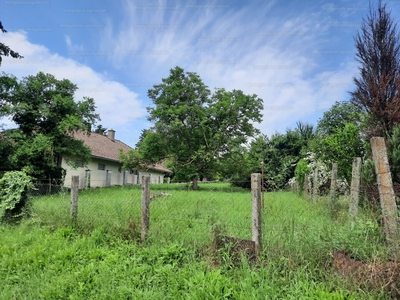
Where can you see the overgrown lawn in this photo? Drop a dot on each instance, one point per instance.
(101, 257)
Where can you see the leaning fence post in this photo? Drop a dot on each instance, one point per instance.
(355, 187)
(386, 194)
(74, 199)
(256, 211)
(145, 206)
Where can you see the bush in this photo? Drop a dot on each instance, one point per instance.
(14, 195)
(302, 169)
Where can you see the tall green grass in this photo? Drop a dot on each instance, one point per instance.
(100, 258)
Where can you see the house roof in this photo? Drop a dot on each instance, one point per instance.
(104, 147)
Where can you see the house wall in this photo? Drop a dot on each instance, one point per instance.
(98, 178)
(155, 177)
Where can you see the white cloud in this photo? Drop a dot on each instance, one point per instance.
(116, 104)
(275, 60)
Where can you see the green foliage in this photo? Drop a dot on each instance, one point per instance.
(280, 154)
(195, 129)
(100, 129)
(338, 137)
(131, 160)
(336, 118)
(369, 186)
(47, 115)
(302, 169)
(14, 195)
(340, 147)
(394, 154)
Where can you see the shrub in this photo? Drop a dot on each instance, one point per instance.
(302, 169)
(14, 195)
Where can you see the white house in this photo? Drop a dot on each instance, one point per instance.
(105, 169)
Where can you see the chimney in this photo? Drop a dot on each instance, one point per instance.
(111, 134)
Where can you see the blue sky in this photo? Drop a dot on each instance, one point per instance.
(298, 56)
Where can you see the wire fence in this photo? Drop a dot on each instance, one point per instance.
(176, 211)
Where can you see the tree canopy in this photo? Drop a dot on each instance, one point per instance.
(194, 128)
(100, 129)
(44, 109)
(336, 118)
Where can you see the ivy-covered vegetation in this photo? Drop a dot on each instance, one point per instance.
(14, 196)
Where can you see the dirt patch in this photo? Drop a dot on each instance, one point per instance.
(376, 275)
(235, 248)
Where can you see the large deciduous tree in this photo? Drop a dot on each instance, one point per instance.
(47, 115)
(5, 50)
(378, 84)
(195, 128)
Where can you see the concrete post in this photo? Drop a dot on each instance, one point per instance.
(355, 187)
(333, 193)
(315, 185)
(386, 194)
(145, 206)
(74, 199)
(256, 211)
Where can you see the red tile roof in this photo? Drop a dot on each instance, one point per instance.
(103, 147)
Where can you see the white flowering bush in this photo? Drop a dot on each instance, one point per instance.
(323, 174)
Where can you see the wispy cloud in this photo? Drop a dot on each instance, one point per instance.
(276, 59)
(297, 56)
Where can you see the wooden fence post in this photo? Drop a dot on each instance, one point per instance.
(333, 193)
(145, 206)
(386, 194)
(256, 211)
(355, 187)
(74, 199)
(315, 185)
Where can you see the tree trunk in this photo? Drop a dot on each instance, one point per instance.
(195, 186)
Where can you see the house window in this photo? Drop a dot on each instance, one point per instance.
(119, 170)
(79, 163)
(134, 172)
(101, 167)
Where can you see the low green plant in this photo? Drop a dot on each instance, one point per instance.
(302, 169)
(14, 195)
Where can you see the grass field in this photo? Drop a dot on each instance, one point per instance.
(45, 257)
